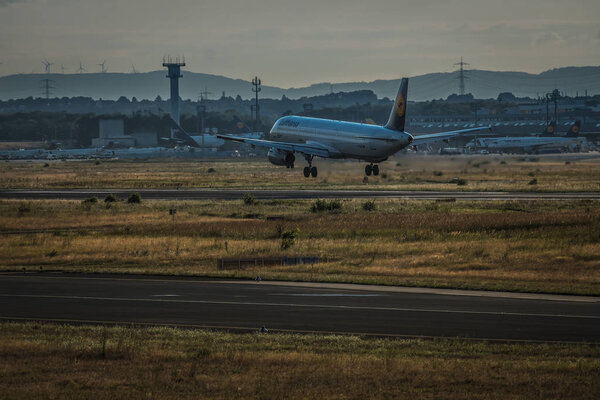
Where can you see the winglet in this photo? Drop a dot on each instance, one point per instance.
(398, 113)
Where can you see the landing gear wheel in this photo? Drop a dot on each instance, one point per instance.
(313, 172)
(375, 170)
(306, 172)
(368, 170)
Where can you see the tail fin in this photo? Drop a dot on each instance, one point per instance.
(574, 130)
(550, 129)
(398, 114)
(182, 135)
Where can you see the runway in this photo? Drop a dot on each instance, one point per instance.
(227, 194)
(303, 307)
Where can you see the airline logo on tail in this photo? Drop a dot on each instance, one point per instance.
(400, 105)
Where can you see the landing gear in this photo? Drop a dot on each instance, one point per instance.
(289, 160)
(372, 169)
(310, 170)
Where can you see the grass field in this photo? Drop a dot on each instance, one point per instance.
(578, 172)
(75, 362)
(517, 246)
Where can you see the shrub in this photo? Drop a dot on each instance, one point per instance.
(438, 173)
(91, 200)
(249, 199)
(369, 205)
(288, 238)
(134, 198)
(23, 208)
(53, 253)
(533, 181)
(110, 198)
(46, 165)
(324, 205)
(211, 170)
(458, 181)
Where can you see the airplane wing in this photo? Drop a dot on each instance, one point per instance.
(310, 148)
(434, 137)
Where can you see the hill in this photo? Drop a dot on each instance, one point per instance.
(482, 84)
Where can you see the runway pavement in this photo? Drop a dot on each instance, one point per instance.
(227, 194)
(280, 306)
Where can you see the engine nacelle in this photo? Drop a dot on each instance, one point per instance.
(281, 157)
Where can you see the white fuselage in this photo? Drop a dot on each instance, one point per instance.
(371, 143)
(527, 144)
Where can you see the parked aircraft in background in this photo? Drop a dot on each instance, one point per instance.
(547, 141)
(314, 137)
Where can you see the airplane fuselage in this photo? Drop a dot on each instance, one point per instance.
(365, 142)
(528, 144)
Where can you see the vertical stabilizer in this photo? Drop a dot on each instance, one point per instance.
(574, 129)
(550, 129)
(398, 114)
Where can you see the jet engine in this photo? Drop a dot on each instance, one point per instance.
(281, 157)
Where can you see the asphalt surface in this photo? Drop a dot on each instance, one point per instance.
(244, 305)
(226, 194)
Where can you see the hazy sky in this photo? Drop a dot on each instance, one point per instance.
(295, 43)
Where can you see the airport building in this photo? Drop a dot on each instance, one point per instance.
(112, 134)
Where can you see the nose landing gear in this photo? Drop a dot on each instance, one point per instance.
(372, 169)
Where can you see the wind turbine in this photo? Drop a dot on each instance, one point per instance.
(81, 69)
(133, 70)
(62, 68)
(47, 65)
(102, 66)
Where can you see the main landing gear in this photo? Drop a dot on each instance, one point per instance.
(310, 170)
(372, 169)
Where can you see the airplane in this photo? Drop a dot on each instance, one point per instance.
(546, 141)
(315, 137)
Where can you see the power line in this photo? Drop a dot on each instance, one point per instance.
(47, 87)
(461, 76)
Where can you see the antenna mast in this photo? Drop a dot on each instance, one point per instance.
(256, 88)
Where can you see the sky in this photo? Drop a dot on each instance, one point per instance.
(297, 43)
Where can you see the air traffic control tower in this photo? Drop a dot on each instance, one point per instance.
(174, 73)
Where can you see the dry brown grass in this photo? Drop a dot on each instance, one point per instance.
(519, 246)
(506, 173)
(74, 362)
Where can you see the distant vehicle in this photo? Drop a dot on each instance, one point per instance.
(545, 142)
(314, 137)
